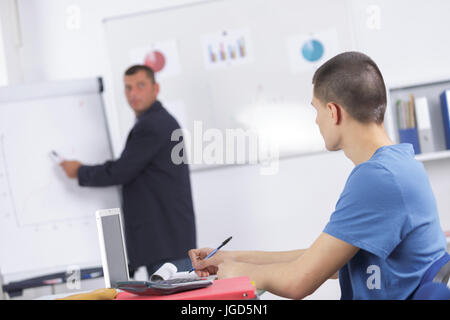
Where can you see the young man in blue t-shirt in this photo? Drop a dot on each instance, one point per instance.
(385, 231)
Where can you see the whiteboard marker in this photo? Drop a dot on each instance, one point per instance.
(56, 157)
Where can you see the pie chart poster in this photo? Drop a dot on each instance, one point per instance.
(308, 51)
(162, 57)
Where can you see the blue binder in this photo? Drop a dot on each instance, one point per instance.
(445, 96)
(410, 136)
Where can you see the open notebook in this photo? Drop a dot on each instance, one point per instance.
(166, 280)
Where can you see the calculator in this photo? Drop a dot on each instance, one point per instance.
(163, 287)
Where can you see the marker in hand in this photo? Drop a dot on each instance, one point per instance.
(56, 157)
(214, 251)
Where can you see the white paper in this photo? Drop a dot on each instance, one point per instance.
(39, 206)
(169, 271)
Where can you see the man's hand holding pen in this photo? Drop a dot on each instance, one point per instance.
(207, 261)
(71, 168)
(205, 268)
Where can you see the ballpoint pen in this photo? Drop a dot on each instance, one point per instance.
(214, 251)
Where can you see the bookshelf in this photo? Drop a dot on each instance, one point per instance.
(431, 91)
(430, 156)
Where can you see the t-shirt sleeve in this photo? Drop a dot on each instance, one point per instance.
(370, 213)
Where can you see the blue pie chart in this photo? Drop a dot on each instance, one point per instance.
(312, 50)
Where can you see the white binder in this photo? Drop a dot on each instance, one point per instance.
(424, 129)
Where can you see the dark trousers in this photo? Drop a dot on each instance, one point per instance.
(182, 264)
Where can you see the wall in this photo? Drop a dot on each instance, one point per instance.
(60, 42)
(3, 72)
(280, 212)
(409, 44)
(10, 41)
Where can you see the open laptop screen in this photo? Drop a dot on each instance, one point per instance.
(112, 246)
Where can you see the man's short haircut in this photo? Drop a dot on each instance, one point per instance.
(352, 80)
(141, 67)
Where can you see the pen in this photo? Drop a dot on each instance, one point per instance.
(214, 251)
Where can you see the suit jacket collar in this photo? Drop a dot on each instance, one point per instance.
(156, 106)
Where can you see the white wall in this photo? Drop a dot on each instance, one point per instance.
(60, 44)
(10, 41)
(411, 45)
(3, 72)
(280, 212)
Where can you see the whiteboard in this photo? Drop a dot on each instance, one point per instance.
(47, 222)
(267, 90)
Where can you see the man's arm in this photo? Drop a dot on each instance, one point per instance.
(139, 151)
(250, 257)
(268, 257)
(298, 278)
(265, 257)
(209, 266)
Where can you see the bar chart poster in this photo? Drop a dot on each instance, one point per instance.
(307, 51)
(226, 49)
(161, 56)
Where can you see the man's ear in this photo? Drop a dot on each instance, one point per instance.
(335, 112)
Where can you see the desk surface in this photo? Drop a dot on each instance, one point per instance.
(225, 289)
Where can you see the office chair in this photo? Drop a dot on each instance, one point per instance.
(434, 282)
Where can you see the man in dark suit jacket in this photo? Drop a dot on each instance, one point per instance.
(156, 193)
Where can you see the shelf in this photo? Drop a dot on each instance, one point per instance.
(433, 156)
(431, 91)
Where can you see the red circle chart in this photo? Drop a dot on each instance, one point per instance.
(155, 60)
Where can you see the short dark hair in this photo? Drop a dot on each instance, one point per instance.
(141, 67)
(352, 80)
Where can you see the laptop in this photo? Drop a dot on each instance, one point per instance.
(115, 262)
(112, 246)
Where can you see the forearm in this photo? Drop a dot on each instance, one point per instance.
(299, 277)
(111, 173)
(294, 279)
(96, 176)
(287, 279)
(265, 257)
(283, 279)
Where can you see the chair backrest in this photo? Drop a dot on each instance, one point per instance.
(432, 291)
(433, 285)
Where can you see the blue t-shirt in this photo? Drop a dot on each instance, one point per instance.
(388, 210)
